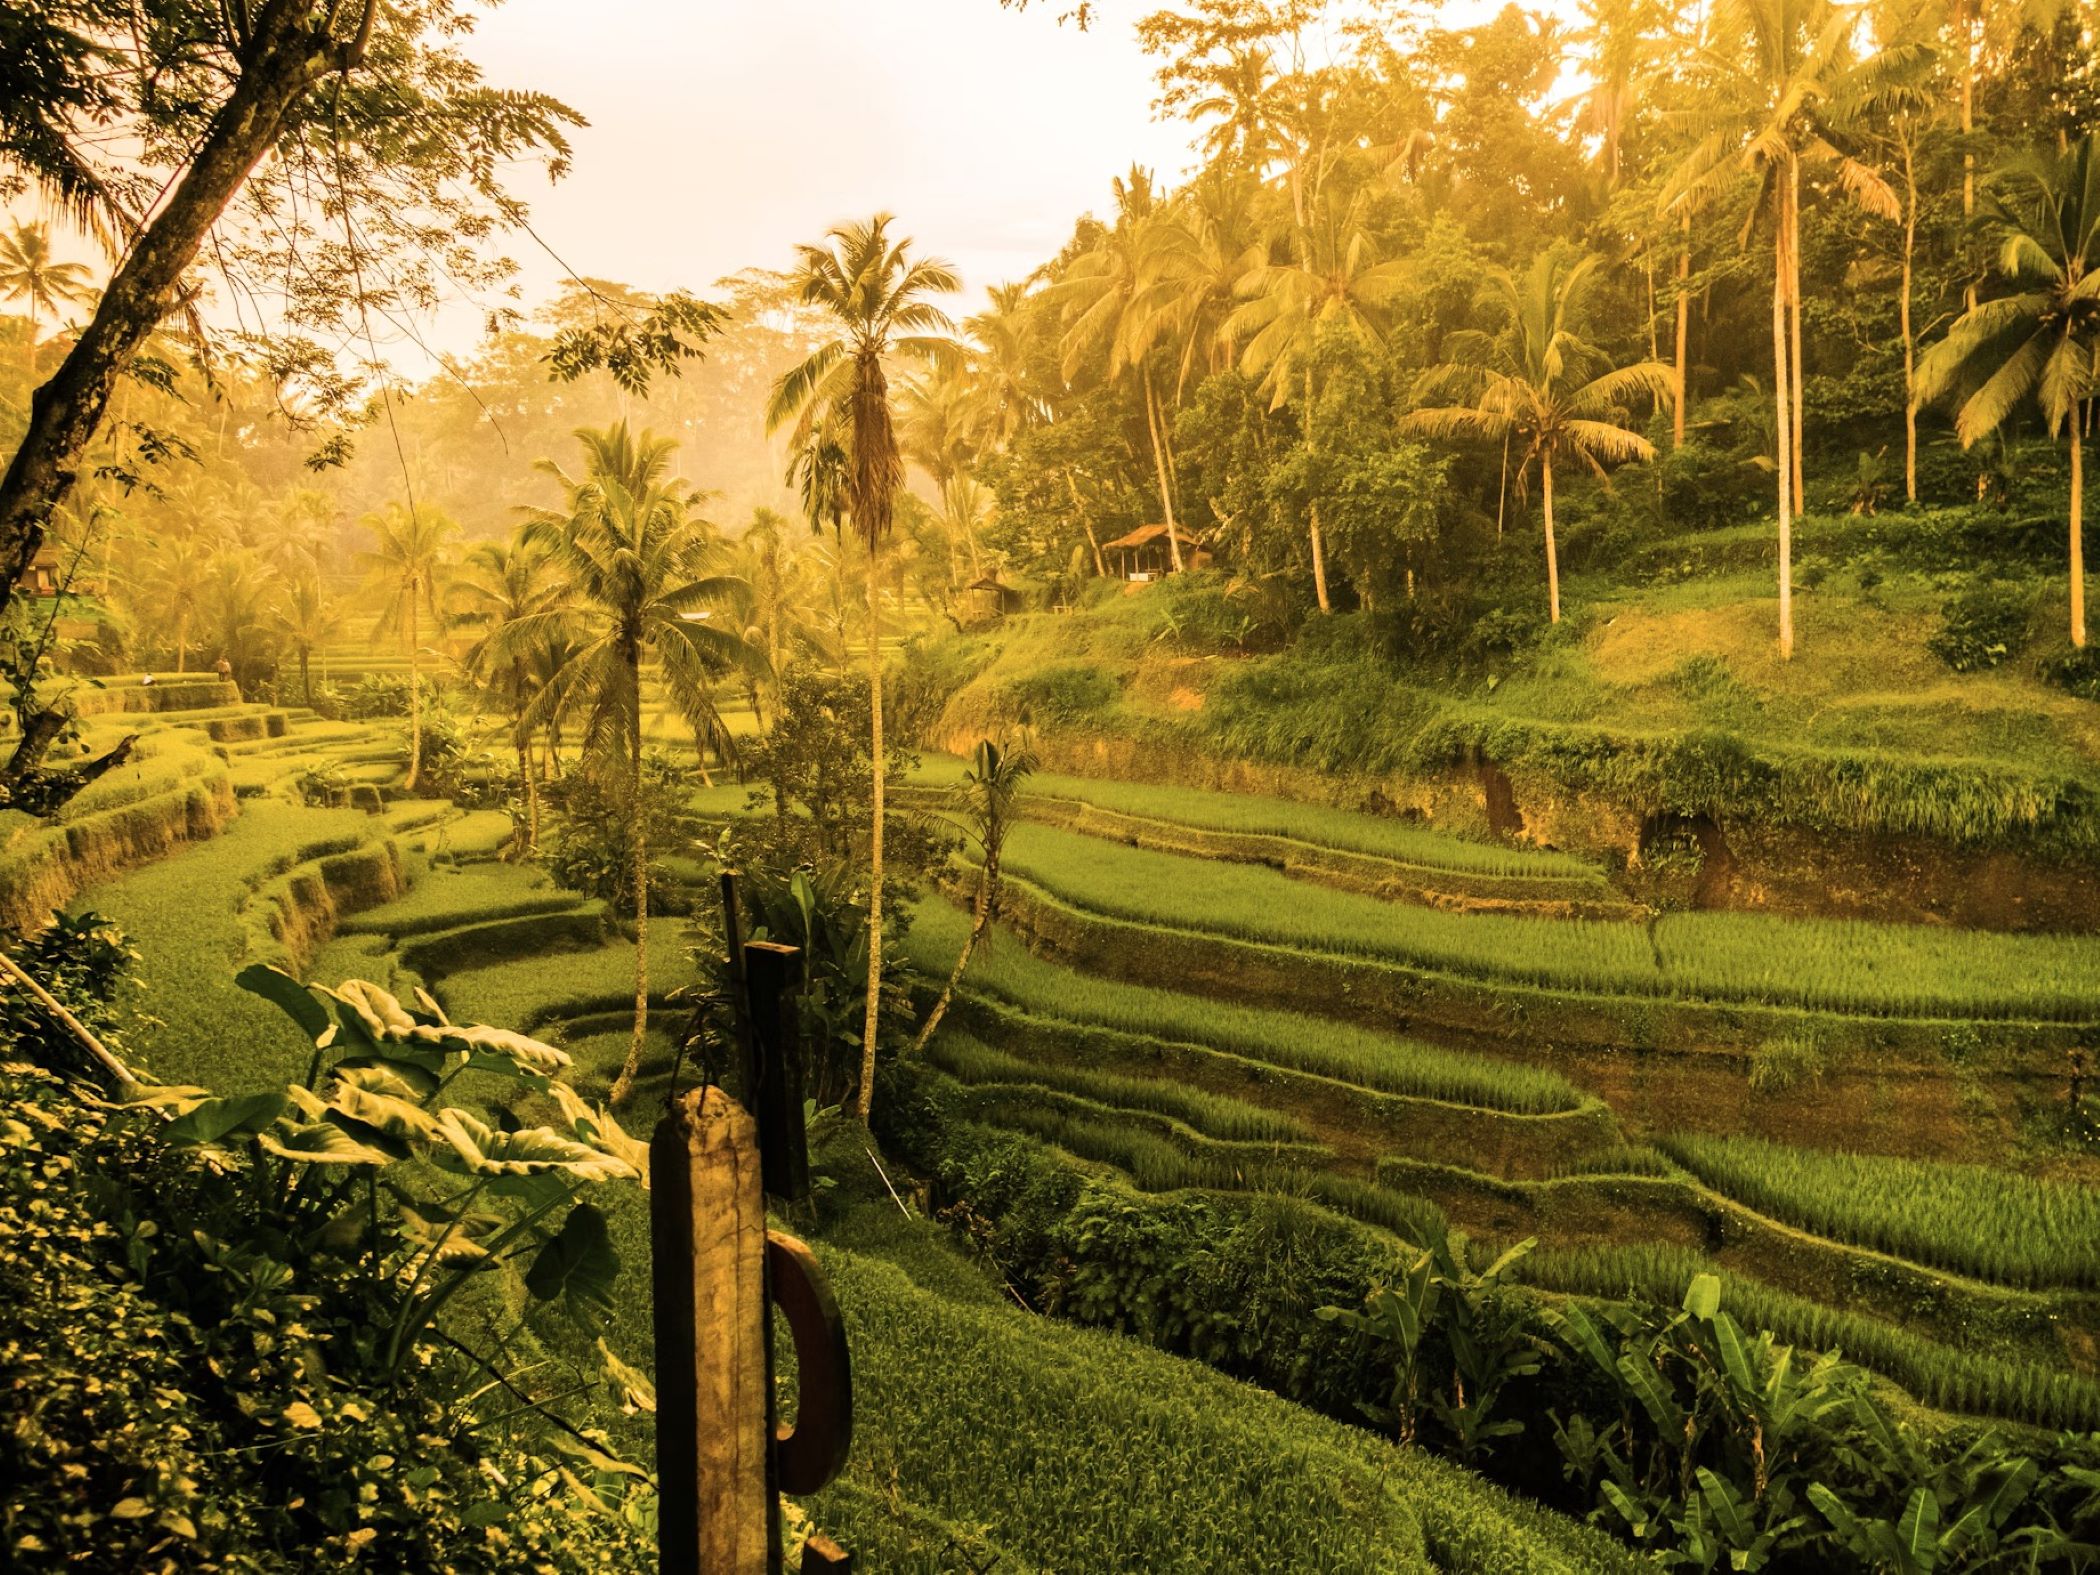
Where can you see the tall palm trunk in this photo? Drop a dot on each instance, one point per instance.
(1319, 545)
(1087, 523)
(415, 700)
(1910, 351)
(638, 855)
(1552, 548)
(864, 1101)
(1782, 427)
(1166, 483)
(306, 682)
(1684, 324)
(980, 921)
(1793, 307)
(2078, 523)
(527, 776)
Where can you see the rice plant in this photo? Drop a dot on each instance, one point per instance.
(1254, 815)
(1819, 964)
(1970, 1219)
(1971, 1381)
(1213, 1115)
(1008, 974)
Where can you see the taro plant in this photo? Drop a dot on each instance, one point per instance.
(362, 1159)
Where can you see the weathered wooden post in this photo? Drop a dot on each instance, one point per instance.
(714, 1382)
(772, 974)
(718, 1272)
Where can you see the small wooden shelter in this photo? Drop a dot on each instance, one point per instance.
(1145, 554)
(987, 599)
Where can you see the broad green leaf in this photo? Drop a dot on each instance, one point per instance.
(533, 1152)
(1838, 1513)
(320, 1143)
(215, 1120)
(1725, 1506)
(1735, 1359)
(282, 990)
(377, 1014)
(1647, 1386)
(383, 1100)
(598, 1125)
(1918, 1532)
(629, 1384)
(1702, 1298)
(497, 1049)
(577, 1264)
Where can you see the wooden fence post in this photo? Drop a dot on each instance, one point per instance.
(717, 1514)
(772, 975)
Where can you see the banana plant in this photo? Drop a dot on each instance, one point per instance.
(1396, 1317)
(1956, 1515)
(363, 1159)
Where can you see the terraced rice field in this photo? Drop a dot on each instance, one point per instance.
(1829, 965)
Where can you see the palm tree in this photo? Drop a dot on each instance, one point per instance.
(405, 568)
(30, 274)
(985, 800)
(877, 292)
(306, 618)
(637, 567)
(782, 623)
(1110, 297)
(173, 587)
(1540, 384)
(936, 430)
(499, 584)
(1783, 71)
(1335, 283)
(2041, 340)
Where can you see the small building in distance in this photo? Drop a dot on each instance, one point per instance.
(47, 572)
(1144, 555)
(986, 600)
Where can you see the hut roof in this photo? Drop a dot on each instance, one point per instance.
(989, 583)
(1146, 534)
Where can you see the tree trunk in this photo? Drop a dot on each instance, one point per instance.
(1793, 305)
(2078, 523)
(638, 845)
(864, 1100)
(1782, 426)
(306, 682)
(1552, 549)
(285, 56)
(1166, 485)
(1319, 545)
(415, 701)
(1086, 524)
(1910, 353)
(1684, 323)
(182, 637)
(980, 921)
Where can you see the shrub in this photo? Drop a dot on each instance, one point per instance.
(379, 695)
(1067, 693)
(1783, 1062)
(1981, 627)
(2073, 667)
(587, 844)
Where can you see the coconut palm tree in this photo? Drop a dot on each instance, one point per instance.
(877, 292)
(499, 584)
(1539, 384)
(406, 568)
(31, 275)
(782, 624)
(937, 432)
(640, 586)
(1110, 297)
(306, 618)
(984, 802)
(1781, 75)
(2040, 340)
(1334, 283)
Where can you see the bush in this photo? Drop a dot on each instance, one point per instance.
(2073, 667)
(588, 844)
(1068, 693)
(1980, 628)
(380, 695)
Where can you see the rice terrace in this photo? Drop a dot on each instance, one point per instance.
(1204, 785)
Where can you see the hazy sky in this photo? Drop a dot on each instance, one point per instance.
(724, 132)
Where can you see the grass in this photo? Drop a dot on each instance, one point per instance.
(1970, 1219)
(1322, 826)
(446, 898)
(971, 1413)
(532, 992)
(1212, 1115)
(1820, 964)
(1006, 972)
(183, 915)
(1951, 1378)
